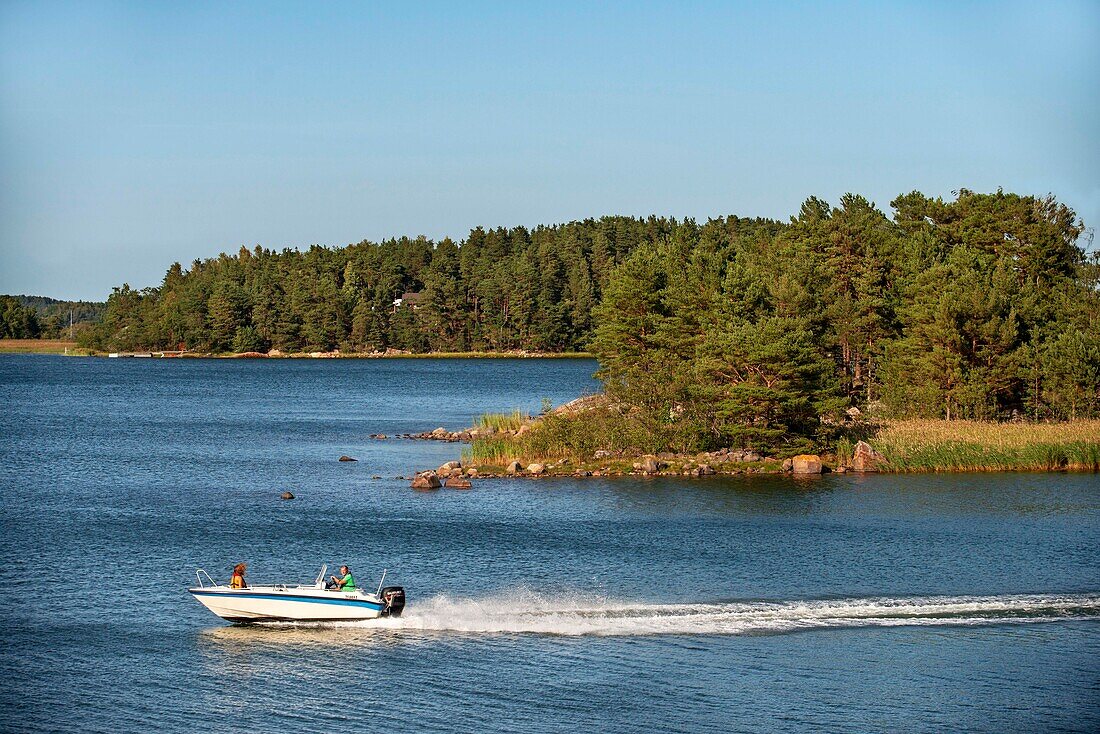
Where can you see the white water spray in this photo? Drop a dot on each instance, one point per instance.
(524, 611)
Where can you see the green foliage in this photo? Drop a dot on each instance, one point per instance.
(916, 445)
(1079, 456)
(52, 316)
(762, 384)
(845, 450)
(502, 421)
(1070, 369)
(502, 289)
(578, 436)
(750, 333)
(18, 321)
(247, 339)
(738, 331)
(958, 355)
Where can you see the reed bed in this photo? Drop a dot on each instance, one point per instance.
(498, 450)
(924, 445)
(502, 421)
(38, 346)
(539, 445)
(576, 436)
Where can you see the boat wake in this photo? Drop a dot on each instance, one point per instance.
(524, 611)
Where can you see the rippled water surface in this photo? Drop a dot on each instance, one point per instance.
(916, 603)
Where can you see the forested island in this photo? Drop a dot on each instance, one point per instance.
(734, 332)
(982, 307)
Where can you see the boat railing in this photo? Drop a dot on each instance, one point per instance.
(382, 581)
(206, 580)
(199, 573)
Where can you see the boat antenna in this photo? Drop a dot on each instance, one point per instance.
(381, 582)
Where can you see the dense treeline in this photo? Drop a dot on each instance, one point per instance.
(54, 315)
(725, 334)
(33, 317)
(501, 289)
(18, 321)
(732, 331)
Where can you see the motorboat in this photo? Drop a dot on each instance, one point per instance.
(297, 602)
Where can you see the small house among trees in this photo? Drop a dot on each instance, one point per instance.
(409, 299)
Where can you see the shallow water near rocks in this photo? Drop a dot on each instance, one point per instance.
(841, 603)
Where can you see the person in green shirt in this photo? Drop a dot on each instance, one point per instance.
(346, 582)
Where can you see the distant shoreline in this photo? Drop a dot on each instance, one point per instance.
(51, 346)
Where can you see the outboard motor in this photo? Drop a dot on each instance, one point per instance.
(394, 599)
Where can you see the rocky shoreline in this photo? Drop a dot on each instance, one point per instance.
(722, 462)
(860, 457)
(511, 446)
(441, 434)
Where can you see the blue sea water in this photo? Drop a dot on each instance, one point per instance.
(877, 603)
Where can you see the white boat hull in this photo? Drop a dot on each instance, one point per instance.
(288, 604)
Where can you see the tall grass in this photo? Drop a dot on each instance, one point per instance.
(38, 346)
(497, 450)
(844, 450)
(501, 421)
(575, 436)
(923, 445)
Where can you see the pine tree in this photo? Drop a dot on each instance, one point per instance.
(767, 383)
(1071, 374)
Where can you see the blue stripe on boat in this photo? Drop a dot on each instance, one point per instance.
(292, 597)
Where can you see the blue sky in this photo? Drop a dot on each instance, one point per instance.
(136, 134)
